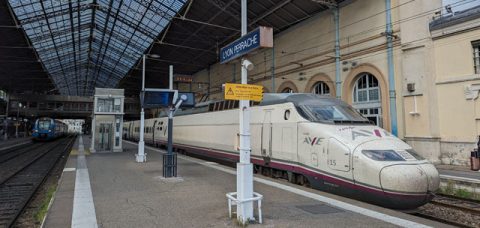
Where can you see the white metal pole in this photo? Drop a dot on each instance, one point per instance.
(170, 77)
(244, 167)
(141, 144)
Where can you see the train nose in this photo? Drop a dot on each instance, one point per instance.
(433, 177)
(421, 178)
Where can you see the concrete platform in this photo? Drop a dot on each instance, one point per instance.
(459, 179)
(130, 194)
(458, 171)
(13, 142)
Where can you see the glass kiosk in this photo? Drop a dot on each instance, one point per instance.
(107, 120)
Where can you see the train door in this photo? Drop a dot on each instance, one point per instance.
(105, 137)
(153, 132)
(338, 156)
(130, 130)
(267, 137)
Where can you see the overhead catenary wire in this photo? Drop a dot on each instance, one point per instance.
(396, 22)
(287, 54)
(365, 31)
(413, 17)
(343, 27)
(217, 83)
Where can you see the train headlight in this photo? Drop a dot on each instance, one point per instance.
(49, 130)
(382, 155)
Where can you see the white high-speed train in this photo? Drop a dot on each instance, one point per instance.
(307, 139)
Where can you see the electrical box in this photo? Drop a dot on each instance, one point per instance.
(411, 87)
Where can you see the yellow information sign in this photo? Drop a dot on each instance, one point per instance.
(243, 92)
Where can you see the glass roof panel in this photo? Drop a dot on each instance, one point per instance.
(92, 42)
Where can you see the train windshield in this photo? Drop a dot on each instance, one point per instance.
(43, 124)
(332, 114)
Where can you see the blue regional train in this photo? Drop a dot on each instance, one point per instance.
(46, 128)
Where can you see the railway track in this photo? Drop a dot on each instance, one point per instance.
(15, 155)
(21, 176)
(452, 210)
(465, 205)
(6, 155)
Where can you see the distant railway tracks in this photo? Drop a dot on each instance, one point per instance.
(452, 210)
(22, 171)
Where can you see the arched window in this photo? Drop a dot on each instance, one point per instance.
(288, 90)
(366, 89)
(321, 88)
(367, 99)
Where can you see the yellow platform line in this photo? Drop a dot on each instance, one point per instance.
(74, 152)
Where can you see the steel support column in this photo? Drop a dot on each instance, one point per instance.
(6, 117)
(338, 76)
(273, 69)
(170, 159)
(391, 74)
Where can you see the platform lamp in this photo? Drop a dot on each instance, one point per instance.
(141, 157)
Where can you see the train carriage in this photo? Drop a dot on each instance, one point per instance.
(46, 128)
(307, 139)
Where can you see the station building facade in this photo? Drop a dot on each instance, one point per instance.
(433, 68)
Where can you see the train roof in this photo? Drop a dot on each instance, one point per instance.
(300, 99)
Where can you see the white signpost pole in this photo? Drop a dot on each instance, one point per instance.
(244, 167)
(140, 156)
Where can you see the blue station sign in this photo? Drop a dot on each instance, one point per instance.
(261, 37)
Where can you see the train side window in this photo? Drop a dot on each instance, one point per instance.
(286, 116)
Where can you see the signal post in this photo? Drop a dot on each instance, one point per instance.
(262, 37)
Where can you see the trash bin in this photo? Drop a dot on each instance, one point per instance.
(478, 158)
(474, 160)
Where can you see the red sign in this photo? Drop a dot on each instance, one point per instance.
(183, 78)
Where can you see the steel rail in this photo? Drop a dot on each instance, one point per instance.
(9, 154)
(442, 220)
(23, 190)
(454, 203)
(9, 175)
(458, 204)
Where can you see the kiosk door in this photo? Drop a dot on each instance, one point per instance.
(105, 136)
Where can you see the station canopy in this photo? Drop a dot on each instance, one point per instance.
(70, 47)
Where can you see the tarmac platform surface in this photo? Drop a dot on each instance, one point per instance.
(130, 194)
